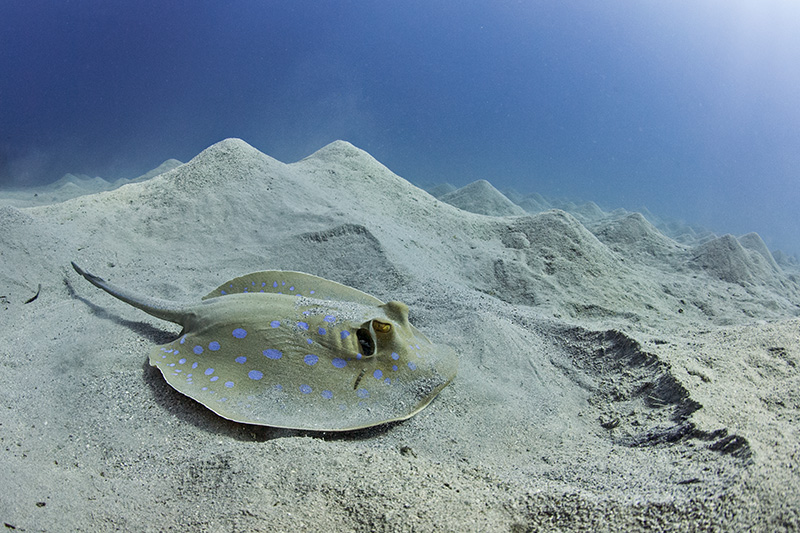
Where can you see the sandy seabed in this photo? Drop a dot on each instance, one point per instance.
(612, 378)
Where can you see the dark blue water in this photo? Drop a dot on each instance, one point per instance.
(690, 108)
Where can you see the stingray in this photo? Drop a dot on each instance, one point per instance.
(291, 350)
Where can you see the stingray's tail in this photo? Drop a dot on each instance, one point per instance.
(163, 309)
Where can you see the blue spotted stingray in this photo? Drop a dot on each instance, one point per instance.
(292, 350)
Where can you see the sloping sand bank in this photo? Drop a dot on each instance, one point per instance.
(610, 377)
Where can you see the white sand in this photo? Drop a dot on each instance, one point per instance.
(611, 378)
(72, 186)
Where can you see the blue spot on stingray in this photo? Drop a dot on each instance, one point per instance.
(417, 347)
(274, 283)
(272, 353)
(291, 288)
(182, 361)
(283, 283)
(309, 341)
(209, 371)
(312, 292)
(329, 318)
(321, 331)
(303, 325)
(255, 374)
(279, 387)
(229, 384)
(183, 339)
(362, 393)
(198, 350)
(412, 365)
(388, 381)
(263, 283)
(395, 356)
(213, 346)
(171, 364)
(215, 378)
(377, 374)
(223, 292)
(275, 323)
(194, 365)
(358, 356)
(338, 362)
(305, 389)
(241, 359)
(326, 394)
(345, 334)
(239, 333)
(311, 359)
(394, 367)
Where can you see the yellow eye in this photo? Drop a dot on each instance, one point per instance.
(381, 327)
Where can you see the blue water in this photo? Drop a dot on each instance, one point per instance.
(688, 107)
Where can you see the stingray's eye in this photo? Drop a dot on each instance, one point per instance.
(381, 327)
(365, 344)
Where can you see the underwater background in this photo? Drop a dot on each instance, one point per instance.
(689, 108)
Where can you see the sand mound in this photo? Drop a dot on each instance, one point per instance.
(556, 254)
(788, 263)
(609, 381)
(80, 181)
(439, 190)
(482, 198)
(534, 203)
(166, 166)
(754, 243)
(728, 260)
(634, 237)
(588, 212)
(74, 185)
